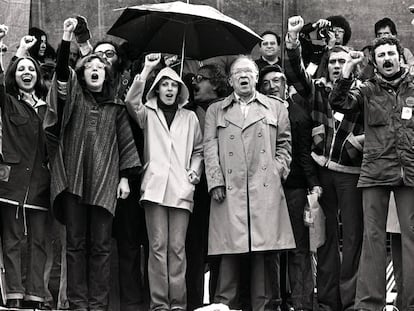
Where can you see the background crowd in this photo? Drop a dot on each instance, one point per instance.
(212, 170)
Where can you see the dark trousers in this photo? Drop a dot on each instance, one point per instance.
(336, 280)
(88, 252)
(229, 285)
(13, 236)
(371, 278)
(130, 233)
(299, 260)
(196, 246)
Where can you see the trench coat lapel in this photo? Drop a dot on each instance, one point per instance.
(234, 115)
(255, 114)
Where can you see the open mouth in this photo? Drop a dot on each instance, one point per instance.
(388, 65)
(94, 77)
(27, 78)
(244, 83)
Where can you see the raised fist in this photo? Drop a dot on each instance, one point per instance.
(356, 57)
(3, 31)
(295, 24)
(69, 24)
(152, 60)
(27, 42)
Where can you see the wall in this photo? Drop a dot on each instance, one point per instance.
(257, 14)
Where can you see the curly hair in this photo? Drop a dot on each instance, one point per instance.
(122, 62)
(386, 40)
(340, 21)
(217, 79)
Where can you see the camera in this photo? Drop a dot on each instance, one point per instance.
(323, 33)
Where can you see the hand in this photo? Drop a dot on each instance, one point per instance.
(193, 177)
(331, 39)
(356, 57)
(317, 190)
(152, 60)
(321, 23)
(218, 193)
(27, 42)
(3, 31)
(122, 192)
(295, 24)
(69, 25)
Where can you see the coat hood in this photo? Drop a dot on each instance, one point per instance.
(183, 95)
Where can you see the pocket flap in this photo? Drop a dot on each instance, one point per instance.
(17, 119)
(12, 158)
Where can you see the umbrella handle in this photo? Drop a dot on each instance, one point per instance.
(182, 53)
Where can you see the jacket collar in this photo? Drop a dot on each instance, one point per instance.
(234, 115)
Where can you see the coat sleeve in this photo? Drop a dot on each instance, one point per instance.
(283, 152)
(134, 104)
(296, 73)
(196, 162)
(347, 99)
(305, 148)
(214, 174)
(128, 153)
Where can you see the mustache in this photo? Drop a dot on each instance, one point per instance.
(387, 63)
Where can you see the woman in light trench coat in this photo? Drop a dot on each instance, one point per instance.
(173, 165)
(249, 157)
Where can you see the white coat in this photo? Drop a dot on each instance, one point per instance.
(169, 153)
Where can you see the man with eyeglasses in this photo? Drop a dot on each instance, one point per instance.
(337, 149)
(247, 150)
(301, 179)
(209, 84)
(269, 50)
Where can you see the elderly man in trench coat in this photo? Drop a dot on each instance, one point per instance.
(247, 148)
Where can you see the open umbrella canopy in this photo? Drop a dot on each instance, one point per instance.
(198, 31)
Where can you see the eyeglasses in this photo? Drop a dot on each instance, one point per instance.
(199, 78)
(108, 53)
(338, 30)
(239, 72)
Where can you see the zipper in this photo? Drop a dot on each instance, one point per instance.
(333, 139)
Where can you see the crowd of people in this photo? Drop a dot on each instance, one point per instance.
(211, 170)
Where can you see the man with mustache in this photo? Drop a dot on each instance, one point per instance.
(302, 176)
(337, 149)
(387, 103)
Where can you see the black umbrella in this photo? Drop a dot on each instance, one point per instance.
(196, 31)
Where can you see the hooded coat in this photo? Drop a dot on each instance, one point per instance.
(250, 158)
(169, 153)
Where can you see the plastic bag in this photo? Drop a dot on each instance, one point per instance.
(317, 235)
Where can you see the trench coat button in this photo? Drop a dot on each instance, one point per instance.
(264, 167)
(231, 136)
(229, 171)
(260, 134)
(27, 169)
(266, 185)
(229, 187)
(230, 153)
(262, 151)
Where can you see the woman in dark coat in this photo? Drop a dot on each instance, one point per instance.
(92, 155)
(24, 177)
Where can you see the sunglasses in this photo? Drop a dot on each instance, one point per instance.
(199, 78)
(107, 53)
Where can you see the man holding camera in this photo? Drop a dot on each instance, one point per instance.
(337, 149)
(387, 103)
